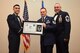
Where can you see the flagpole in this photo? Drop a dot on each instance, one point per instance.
(24, 50)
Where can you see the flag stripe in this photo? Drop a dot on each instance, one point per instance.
(26, 47)
(27, 39)
(26, 42)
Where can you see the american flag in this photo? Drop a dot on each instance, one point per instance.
(25, 13)
(26, 37)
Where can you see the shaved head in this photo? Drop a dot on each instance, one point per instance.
(57, 7)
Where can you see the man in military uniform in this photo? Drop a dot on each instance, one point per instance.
(63, 27)
(47, 38)
(15, 29)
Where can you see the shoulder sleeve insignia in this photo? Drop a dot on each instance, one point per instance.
(67, 18)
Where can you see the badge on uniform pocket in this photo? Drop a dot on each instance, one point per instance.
(48, 21)
(60, 19)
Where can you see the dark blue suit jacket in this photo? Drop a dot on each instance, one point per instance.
(48, 33)
(14, 25)
(14, 33)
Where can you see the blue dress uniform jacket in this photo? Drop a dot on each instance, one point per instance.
(63, 24)
(47, 38)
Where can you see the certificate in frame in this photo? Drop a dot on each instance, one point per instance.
(32, 27)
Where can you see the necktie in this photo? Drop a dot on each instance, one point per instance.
(42, 19)
(19, 19)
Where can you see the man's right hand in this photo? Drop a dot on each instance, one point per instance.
(44, 25)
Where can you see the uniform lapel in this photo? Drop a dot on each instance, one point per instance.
(16, 20)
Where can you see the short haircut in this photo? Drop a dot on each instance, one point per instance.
(16, 5)
(58, 4)
(44, 8)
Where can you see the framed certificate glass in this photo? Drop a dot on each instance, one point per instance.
(32, 27)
